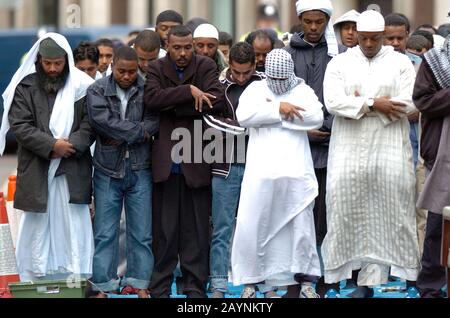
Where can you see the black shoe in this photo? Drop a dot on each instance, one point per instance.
(350, 284)
(362, 292)
(293, 291)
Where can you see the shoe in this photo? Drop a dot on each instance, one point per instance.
(332, 293)
(141, 293)
(350, 284)
(218, 294)
(308, 292)
(412, 293)
(293, 292)
(249, 292)
(362, 292)
(271, 294)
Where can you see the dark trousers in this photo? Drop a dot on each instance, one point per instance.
(180, 231)
(320, 221)
(432, 277)
(320, 207)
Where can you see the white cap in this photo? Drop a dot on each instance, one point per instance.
(371, 21)
(206, 31)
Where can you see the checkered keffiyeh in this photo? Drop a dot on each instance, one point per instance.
(281, 78)
(439, 60)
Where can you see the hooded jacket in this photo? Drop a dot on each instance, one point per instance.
(311, 62)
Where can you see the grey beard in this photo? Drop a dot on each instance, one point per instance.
(51, 85)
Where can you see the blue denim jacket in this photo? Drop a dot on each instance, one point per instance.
(104, 109)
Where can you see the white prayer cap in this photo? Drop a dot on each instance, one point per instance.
(206, 31)
(311, 5)
(371, 21)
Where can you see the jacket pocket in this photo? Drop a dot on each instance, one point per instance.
(109, 157)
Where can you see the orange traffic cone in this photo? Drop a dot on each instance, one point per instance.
(8, 266)
(14, 215)
(11, 188)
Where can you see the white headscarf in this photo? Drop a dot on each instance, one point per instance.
(75, 88)
(327, 7)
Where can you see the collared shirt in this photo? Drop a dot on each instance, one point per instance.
(124, 96)
(176, 168)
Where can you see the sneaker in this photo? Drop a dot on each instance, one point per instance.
(218, 294)
(412, 293)
(249, 292)
(308, 292)
(141, 293)
(332, 293)
(271, 294)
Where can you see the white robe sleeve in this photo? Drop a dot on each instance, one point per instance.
(304, 97)
(406, 90)
(336, 99)
(256, 109)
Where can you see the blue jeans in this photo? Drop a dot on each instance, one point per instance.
(135, 190)
(414, 136)
(226, 193)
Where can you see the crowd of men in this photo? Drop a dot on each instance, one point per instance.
(330, 151)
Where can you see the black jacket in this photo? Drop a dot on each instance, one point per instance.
(311, 64)
(229, 127)
(29, 117)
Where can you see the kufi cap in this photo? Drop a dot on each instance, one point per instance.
(50, 50)
(206, 31)
(370, 21)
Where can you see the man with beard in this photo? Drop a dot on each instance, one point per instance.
(181, 88)
(45, 107)
(262, 44)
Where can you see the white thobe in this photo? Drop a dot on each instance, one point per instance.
(371, 183)
(275, 237)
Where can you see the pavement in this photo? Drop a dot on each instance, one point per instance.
(393, 290)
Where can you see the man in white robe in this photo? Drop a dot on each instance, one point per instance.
(275, 239)
(44, 105)
(371, 181)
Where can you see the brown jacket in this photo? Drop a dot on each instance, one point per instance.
(171, 98)
(433, 103)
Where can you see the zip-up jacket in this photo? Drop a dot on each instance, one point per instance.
(228, 125)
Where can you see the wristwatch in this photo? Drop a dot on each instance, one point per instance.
(371, 104)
